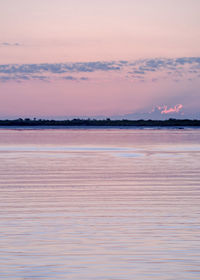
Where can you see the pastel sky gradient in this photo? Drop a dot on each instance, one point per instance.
(88, 58)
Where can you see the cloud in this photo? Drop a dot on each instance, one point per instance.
(141, 70)
(158, 113)
(40, 77)
(6, 44)
(13, 71)
(176, 66)
(20, 78)
(84, 78)
(58, 68)
(71, 78)
(5, 79)
(165, 110)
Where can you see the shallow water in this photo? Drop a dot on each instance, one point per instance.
(100, 204)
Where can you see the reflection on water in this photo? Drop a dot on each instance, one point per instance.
(100, 204)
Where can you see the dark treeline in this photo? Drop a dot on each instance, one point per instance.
(105, 122)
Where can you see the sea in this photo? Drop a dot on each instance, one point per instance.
(99, 204)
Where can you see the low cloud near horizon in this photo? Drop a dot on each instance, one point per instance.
(169, 110)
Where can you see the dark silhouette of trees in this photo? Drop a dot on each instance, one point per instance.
(101, 123)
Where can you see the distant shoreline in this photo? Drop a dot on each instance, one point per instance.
(82, 123)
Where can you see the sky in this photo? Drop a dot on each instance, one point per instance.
(96, 58)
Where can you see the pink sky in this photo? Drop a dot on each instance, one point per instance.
(56, 35)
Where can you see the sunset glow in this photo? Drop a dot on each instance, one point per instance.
(98, 58)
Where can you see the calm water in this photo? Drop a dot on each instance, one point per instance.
(100, 204)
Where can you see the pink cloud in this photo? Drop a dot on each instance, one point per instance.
(165, 110)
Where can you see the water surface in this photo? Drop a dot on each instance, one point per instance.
(100, 204)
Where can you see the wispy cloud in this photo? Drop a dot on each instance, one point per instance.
(7, 44)
(72, 78)
(21, 78)
(139, 70)
(177, 67)
(58, 68)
